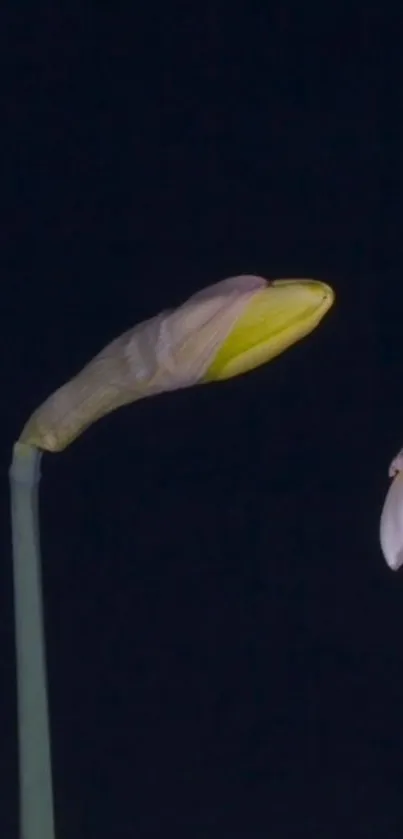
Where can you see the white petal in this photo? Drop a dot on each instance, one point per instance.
(391, 529)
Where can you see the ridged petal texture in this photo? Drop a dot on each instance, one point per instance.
(172, 350)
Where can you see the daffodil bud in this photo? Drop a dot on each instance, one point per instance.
(222, 331)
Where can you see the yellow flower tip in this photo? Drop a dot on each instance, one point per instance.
(276, 317)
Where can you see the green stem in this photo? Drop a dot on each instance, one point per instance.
(36, 796)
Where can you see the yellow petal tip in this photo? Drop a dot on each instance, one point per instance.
(276, 317)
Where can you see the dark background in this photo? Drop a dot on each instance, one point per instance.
(224, 636)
